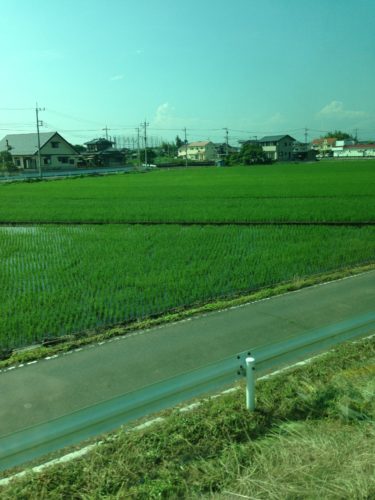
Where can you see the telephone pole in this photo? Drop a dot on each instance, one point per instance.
(186, 147)
(306, 131)
(138, 149)
(106, 131)
(145, 125)
(39, 123)
(226, 140)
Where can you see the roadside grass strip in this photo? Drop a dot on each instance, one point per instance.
(312, 435)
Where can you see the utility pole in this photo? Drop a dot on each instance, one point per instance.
(138, 149)
(226, 140)
(106, 131)
(306, 131)
(356, 135)
(186, 147)
(39, 123)
(145, 125)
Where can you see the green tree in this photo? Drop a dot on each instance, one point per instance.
(339, 135)
(151, 155)
(79, 148)
(179, 142)
(250, 154)
(6, 161)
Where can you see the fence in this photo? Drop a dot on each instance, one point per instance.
(34, 442)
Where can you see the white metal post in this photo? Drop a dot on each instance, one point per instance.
(250, 383)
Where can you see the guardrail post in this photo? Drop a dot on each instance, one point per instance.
(250, 383)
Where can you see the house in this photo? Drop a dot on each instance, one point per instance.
(198, 151)
(324, 145)
(223, 149)
(55, 151)
(277, 147)
(101, 153)
(362, 150)
(302, 151)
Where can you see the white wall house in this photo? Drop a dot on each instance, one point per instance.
(198, 151)
(55, 151)
(354, 150)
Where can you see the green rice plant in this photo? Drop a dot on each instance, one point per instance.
(322, 191)
(62, 280)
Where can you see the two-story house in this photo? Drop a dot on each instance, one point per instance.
(55, 151)
(277, 147)
(198, 151)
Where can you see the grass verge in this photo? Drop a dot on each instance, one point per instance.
(311, 436)
(68, 343)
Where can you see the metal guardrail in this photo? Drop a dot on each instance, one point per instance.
(34, 442)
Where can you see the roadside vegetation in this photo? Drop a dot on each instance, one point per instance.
(312, 435)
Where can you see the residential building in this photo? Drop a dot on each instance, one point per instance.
(324, 145)
(278, 147)
(302, 151)
(55, 151)
(362, 150)
(101, 153)
(223, 149)
(198, 151)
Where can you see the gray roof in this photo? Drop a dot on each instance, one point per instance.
(274, 138)
(99, 141)
(25, 144)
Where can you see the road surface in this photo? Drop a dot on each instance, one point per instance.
(49, 388)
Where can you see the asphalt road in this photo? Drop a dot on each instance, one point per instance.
(50, 388)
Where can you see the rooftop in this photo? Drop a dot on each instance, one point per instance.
(25, 144)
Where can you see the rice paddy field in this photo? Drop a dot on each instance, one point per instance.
(63, 279)
(321, 191)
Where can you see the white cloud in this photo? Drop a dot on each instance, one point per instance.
(115, 78)
(163, 115)
(336, 109)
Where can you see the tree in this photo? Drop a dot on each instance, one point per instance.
(79, 148)
(179, 142)
(6, 161)
(339, 135)
(151, 155)
(250, 154)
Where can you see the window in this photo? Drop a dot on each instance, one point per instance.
(63, 159)
(55, 144)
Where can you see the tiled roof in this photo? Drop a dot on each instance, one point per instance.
(327, 140)
(360, 146)
(199, 143)
(274, 138)
(25, 144)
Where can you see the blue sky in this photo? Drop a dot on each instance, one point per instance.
(255, 67)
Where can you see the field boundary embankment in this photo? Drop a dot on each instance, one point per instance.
(185, 223)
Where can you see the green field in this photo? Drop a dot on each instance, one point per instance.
(57, 280)
(322, 191)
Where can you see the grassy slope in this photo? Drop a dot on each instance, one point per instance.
(311, 436)
(313, 192)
